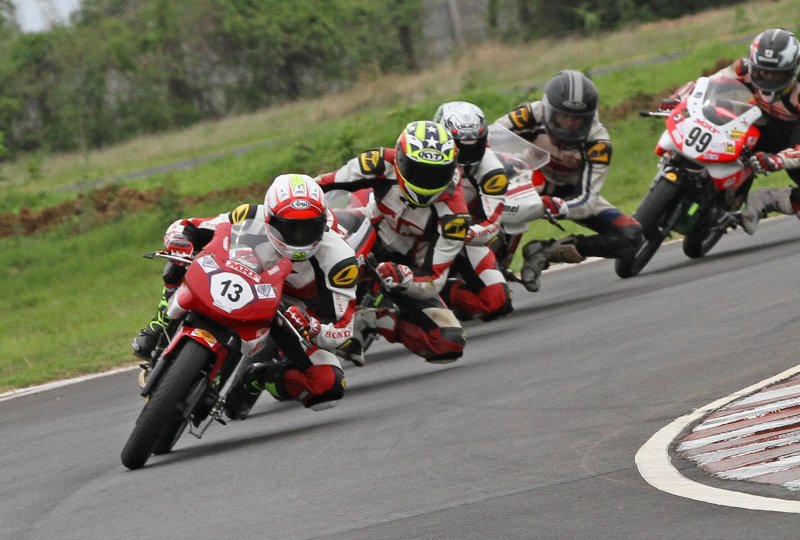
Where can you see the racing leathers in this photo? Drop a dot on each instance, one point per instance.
(478, 287)
(426, 239)
(323, 285)
(575, 174)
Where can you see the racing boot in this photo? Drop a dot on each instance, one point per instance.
(256, 379)
(763, 201)
(148, 337)
(538, 254)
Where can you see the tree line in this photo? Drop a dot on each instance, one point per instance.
(123, 68)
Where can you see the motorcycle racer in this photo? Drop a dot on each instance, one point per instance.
(320, 289)
(771, 70)
(417, 205)
(480, 288)
(566, 124)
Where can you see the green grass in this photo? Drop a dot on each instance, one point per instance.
(73, 298)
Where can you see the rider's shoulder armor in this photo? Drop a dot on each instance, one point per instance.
(740, 67)
(242, 212)
(337, 259)
(598, 144)
(522, 117)
(372, 162)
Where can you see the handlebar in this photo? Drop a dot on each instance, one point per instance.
(283, 321)
(655, 114)
(553, 220)
(164, 255)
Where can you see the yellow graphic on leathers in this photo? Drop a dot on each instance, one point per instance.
(456, 228)
(496, 185)
(599, 152)
(520, 116)
(345, 277)
(240, 213)
(369, 161)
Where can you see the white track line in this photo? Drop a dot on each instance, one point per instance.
(656, 467)
(58, 384)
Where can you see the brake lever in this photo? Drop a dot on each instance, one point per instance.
(553, 220)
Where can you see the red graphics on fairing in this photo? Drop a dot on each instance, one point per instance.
(221, 317)
(704, 173)
(712, 127)
(229, 282)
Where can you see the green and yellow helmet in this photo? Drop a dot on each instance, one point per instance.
(425, 162)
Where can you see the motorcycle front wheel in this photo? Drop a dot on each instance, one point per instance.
(652, 214)
(159, 414)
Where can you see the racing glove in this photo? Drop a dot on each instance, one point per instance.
(307, 325)
(555, 206)
(766, 163)
(668, 104)
(178, 245)
(395, 276)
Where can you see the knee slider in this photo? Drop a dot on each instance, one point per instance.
(330, 397)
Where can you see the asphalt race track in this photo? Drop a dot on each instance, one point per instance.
(532, 434)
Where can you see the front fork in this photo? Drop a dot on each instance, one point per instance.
(204, 402)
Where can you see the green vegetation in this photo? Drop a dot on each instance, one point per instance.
(73, 297)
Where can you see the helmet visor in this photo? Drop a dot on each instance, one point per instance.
(571, 127)
(771, 80)
(424, 178)
(298, 232)
(471, 148)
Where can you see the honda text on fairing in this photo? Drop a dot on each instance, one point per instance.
(704, 174)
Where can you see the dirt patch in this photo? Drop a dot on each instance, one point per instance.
(110, 202)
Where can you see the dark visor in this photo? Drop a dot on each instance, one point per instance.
(771, 80)
(424, 175)
(299, 232)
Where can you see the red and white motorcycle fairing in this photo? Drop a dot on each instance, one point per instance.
(712, 127)
(521, 159)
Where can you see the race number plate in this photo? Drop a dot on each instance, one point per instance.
(230, 291)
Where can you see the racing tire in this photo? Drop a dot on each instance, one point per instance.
(704, 235)
(651, 215)
(158, 414)
(169, 436)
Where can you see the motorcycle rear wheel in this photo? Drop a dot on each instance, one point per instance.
(158, 414)
(651, 214)
(704, 235)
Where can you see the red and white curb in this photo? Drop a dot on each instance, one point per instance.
(748, 435)
(756, 438)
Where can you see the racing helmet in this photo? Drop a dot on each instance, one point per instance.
(570, 103)
(296, 215)
(774, 62)
(467, 124)
(425, 162)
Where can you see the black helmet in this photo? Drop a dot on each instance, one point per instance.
(570, 102)
(467, 123)
(773, 62)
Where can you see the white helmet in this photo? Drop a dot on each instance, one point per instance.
(296, 216)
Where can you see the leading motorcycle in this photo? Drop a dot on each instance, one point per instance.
(704, 172)
(221, 318)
